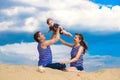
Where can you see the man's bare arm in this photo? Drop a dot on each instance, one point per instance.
(52, 41)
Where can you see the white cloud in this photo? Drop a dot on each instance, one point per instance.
(6, 25)
(29, 50)
(14, 11)
(75, 15)
(25, 49)
(95, 62)
(36, 3)
(31, 24)
(27, 53)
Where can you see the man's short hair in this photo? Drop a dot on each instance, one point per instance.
(36, 35)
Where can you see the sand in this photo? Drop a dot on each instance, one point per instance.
(25, 72)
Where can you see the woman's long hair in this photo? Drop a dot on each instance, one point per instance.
(82, 42)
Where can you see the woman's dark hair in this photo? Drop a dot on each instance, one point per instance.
(48, 20)
(36, 35)
(82, 43)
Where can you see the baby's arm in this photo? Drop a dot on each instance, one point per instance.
(48, 31)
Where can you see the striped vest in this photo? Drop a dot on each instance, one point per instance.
(73, 54)
(45, 55)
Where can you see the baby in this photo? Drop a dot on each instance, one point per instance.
(53, 27)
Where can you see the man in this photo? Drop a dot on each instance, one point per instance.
(45, 54)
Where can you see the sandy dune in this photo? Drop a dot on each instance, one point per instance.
(23, 72)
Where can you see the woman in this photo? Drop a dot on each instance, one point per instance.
(78, 50)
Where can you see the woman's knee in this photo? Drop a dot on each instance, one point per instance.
(71, 69)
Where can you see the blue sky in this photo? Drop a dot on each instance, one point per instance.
(107, 2)
(98, 21)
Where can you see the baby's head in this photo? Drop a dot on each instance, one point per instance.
(50, 22)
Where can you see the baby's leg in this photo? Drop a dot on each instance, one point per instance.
(66, 33)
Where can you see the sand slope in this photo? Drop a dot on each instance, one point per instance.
(23, 72)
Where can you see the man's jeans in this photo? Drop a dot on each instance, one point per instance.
(56, 66)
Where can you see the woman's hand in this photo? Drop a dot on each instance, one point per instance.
(65, 62)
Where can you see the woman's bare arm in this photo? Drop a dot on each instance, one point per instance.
(66, 43)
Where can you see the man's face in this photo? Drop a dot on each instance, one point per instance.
(51, 23)
(41, 36)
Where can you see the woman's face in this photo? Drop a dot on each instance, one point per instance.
(76, 39)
